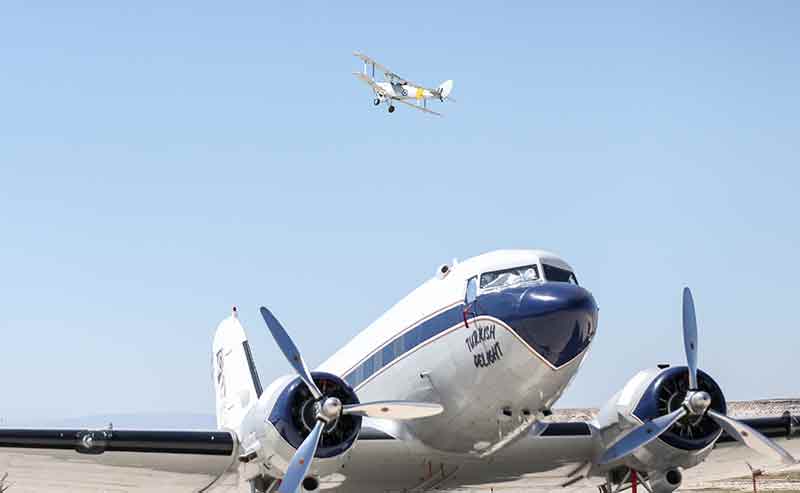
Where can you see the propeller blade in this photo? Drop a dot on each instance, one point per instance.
(690, 337)
(751, 438)
(641, 436)
(301, 461)
(290, 351)
(398, 410)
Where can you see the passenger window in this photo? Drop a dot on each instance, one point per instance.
(388, 354)
(356, 377)
(410, 340)
(397, 347)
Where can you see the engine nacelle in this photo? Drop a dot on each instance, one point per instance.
(286, 414)
(666, 482)
(294, 415)
(656, 392)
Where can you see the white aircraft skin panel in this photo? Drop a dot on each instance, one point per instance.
(424, 302)
(473, 397)
(427, 300)
(629, 391)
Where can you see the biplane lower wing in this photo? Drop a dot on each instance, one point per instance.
(418, 107)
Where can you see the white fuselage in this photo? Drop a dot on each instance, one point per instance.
(488, 378)
(495, 357)
(404, 91)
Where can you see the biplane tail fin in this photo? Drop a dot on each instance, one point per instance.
(445, 88)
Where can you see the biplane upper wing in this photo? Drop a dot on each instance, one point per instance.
(382, 68)
(421, 108)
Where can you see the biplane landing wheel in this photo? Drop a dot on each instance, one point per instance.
(377, 101)
(391, 109)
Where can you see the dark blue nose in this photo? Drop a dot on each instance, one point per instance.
(557, 320)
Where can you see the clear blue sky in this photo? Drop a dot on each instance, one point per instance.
(160, 164)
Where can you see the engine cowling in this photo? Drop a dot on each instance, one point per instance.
(666, 393)
(294, 415)
(284, 416)
(657, 392)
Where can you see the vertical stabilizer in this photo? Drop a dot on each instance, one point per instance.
(236, 381)
(445, 88)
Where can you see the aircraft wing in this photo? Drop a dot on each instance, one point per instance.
(369, 81)
(560, 456)
(382, 68)
(164, 461)
(105, 460)
(421, 108)
(544, 460)
(389, 74)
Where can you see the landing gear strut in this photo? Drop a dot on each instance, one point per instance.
(621, 480)
(391, 108)
(260, 484)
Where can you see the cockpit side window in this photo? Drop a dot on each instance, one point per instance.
(553, 273)
(472, 290)
(509, 277)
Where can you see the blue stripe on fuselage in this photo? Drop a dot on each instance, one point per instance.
(557, 320)
(403, 344)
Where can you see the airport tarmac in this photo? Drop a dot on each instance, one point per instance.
(71, 472)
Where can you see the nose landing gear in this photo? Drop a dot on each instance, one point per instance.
(262, 484)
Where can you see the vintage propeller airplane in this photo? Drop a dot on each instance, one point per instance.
(399, 89)
(451, 388)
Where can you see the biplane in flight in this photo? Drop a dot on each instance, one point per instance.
(395, 88)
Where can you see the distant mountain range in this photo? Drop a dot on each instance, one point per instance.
(149, 421)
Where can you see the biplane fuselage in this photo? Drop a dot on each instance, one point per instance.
(404, 91)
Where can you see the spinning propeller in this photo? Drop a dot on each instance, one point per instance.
(329, 408)
(695, 405)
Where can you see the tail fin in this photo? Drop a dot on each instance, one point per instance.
(446, 88)
(236, 381)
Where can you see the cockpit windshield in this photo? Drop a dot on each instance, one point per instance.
(509, 277)
(553, 273)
